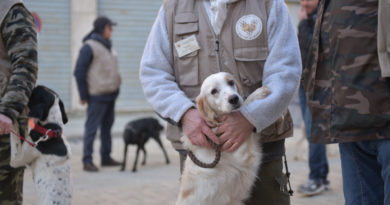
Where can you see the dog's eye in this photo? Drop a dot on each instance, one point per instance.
(214, 91)
(230, 83)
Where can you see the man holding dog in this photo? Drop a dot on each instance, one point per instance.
(18, 74)
(250, 39)
(98, 81)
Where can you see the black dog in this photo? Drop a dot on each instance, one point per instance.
(138, 132)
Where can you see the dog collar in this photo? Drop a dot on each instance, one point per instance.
(47, 132)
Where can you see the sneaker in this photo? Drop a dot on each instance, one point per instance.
(90, 167)
(110, 162)
(312, 187)
(326, 183)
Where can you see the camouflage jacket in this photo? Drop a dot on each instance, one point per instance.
(348, 99)
(19, 38)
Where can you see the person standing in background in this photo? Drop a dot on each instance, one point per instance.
(348, 91)
(18, 74)
(98, 81)
(318, 163)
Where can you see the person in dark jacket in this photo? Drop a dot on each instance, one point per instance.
(318, 163)
(349, 98)
(98, 82)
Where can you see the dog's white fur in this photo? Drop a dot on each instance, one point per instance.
(51, 173)
(230, 182)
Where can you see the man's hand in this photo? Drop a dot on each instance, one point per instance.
(235, 128)
(302, 14)
(195, 128)
(5, 124)
(83, 102)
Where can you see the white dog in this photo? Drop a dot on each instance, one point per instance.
(48, 152)
(230, 181)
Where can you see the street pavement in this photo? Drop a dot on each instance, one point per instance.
(157, 183)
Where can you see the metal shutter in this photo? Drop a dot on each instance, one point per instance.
(135, 19)
(54, 61)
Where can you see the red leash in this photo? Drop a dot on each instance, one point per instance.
(24, 139)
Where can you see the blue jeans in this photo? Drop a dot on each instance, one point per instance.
(318, 163)
(366, 172)
(99, 114)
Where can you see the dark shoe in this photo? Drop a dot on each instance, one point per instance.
(327, 184)
(312, 187)
(90, 167)
(110, 163)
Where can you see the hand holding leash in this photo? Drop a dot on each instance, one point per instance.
(5, 124)
(197, 129)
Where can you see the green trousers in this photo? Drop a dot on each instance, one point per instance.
(11, 179)
(270, 187)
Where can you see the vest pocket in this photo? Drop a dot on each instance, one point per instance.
(187, 67)
(186, 24)
(250, 62)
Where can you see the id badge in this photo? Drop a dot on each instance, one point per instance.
(186, 46)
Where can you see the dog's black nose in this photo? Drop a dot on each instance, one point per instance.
(233, 99)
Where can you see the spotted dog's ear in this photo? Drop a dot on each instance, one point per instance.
(40, 102)
(205, 110)
(63, 113)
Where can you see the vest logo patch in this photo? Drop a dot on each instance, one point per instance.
(249, 27)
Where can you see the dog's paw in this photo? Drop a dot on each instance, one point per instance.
(168, 161)
(134, 170)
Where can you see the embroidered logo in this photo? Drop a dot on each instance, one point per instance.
(249, 27)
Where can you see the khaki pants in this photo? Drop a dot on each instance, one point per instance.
(270, 187)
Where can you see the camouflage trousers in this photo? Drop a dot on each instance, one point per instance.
(11, 179)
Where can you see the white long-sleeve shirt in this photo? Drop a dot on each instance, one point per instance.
(281, 72)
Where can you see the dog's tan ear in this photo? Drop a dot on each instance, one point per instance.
(238, 86)
(205, 109)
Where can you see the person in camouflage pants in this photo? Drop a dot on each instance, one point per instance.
(18, 73)
(348, 98)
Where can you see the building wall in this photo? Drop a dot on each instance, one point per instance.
(293, 8)
(54, 58)
(135, 19)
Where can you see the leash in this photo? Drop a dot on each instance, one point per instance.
(217, 149)
(47, 133)
(24, 139)
(290, 191)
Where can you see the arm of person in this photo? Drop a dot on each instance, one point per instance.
(20, 40)
(281, 73)
(160, 87)
(83, 62)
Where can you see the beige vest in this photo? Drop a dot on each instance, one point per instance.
(244, 58)
(103, 73)
(5, 64)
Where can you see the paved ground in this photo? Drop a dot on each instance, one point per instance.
(157, 183)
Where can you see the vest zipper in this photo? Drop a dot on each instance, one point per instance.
(217, 46)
